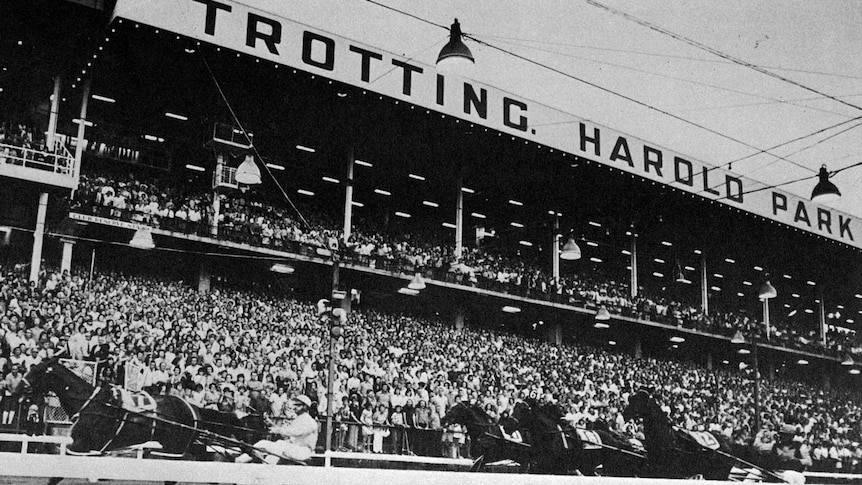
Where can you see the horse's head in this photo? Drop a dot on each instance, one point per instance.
(255, 428)
(639, 405)
(522, 412)
(459, 413)
(36, 380)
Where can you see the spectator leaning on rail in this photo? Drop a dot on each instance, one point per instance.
(299, 437)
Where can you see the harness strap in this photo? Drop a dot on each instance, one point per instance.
(74, 417)
(565, 441)
(116, 433)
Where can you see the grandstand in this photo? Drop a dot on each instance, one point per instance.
(127, 238)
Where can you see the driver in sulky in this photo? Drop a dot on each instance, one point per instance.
(298, 436)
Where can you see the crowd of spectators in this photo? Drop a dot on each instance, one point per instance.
(242, 218)
(238, 349)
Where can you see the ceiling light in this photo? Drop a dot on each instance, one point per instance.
(248, 173)
(795, 295)
(305, 192)
(363, 163)
(658, 275)
(450, 225)
(196, 168)
(728, 260)
(105, 99)
(143, 239)
(77, 121)
(408, 291)
(467, 191)
(477, 215)
(515, 202)
(659, 260)
(595, 260)
(787, 276)
(698, 251)
(305, 149)
(626, 252)
(526, 243)
(570, 251)
(417, 283)
(600, 324)
(747, 283)
(593, 244)
(402, 214)
(854, 371)
(594, 224)
(516, 224)
(740, 294)
(176, 116)
(717, 275)
(603, 314)
(611, 342)
(758, 268)
(809, 282)
(275, 166)
(416, 177)
(792, 312)
(331, 180)
(511, 309)
(357, 204)
(282, 268)
(430, 204)
(668, 243)
(808, 310)
(714, 288)
(743, 351)
(382, 192)
(802, 362)
(677, 339)
(689, 268)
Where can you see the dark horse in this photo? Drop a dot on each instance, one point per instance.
(101, 424)
(487, 441)
(563, 449)
(229, 431)
(675, 453)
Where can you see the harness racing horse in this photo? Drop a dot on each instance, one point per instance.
(247, 430)
(486, 437)
(676, 453)
(562, 449)
(102, 424)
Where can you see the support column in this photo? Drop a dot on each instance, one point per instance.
(704, 288)
(709, 361)
(459, 319)
(348, 195)
(633, 286)
(555, 334)
(38, 236)
(204, 278)
(66, 262)
(82, 126)
(459, 221)
(555, 251)
(822, 316)
(638, 349)
(55, 113)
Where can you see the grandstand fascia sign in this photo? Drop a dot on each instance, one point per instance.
(286, 42)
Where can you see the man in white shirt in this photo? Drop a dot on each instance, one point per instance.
(299, 437)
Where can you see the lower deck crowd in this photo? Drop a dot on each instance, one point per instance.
(245, 350)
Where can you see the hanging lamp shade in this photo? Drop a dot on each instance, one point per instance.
(603, 314)
(824, 191)
(570, 251)
(680, 275)
(848, 360)
(417, 283)
(767, 291)
(737, 338)
(143, 239)
(455, 55)
(248, 173)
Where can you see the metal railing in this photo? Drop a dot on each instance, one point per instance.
(60, 162)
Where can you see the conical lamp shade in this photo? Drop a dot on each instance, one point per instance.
(824, 191)
(603, 314)
(767, 291)
(570, 251)
(847, 360)
(417, 283)
(143, 239)
(455, 55)
(737, 338)
(248, 173)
